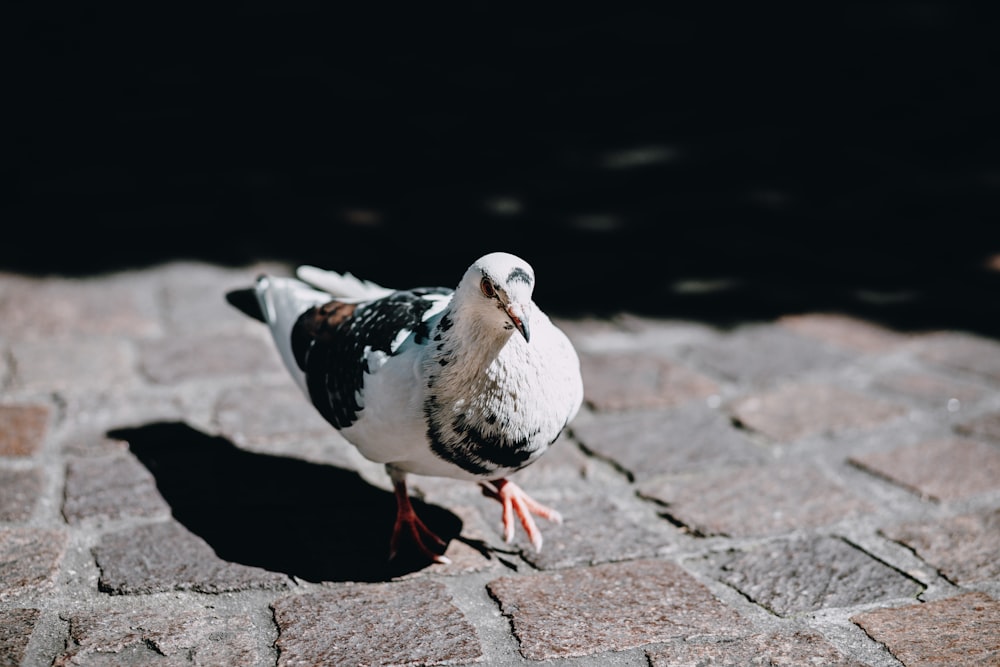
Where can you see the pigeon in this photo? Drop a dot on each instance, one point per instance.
(472, 383)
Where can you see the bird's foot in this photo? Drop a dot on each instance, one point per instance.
(409, 524)
(516, 501)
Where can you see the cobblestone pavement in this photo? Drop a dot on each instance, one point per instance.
(815, 489)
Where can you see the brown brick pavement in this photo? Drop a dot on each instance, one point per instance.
(817, 489)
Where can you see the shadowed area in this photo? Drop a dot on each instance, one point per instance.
(314, 522)
(724, 162)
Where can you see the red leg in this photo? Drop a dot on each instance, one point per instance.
(407, 522)
(515, 501)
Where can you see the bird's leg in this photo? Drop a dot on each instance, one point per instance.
(409, 523)
(516, 501)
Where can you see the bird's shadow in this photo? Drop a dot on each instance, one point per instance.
(311, 521)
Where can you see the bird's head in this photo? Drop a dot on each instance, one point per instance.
(499, 286)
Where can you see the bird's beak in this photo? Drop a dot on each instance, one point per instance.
(515, 312)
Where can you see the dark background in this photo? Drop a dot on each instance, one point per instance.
(723, 161)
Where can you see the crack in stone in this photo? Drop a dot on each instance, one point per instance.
(907, 575)
(673, 519)
(617, 467)
(891, 480)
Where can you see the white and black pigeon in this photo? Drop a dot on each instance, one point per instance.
(473, 383)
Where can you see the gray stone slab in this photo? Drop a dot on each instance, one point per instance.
(159, 637)
(755, 500)
(258, 413)
(89, 415)
(649, 443)
(986, 427)
(181, 358)
(799, 575)
(931, 390)
(964, 548)
(6, 372)
(86, 364)
(111, 487)
(16, 626)
(637, 379)
(90, 442)
(403, 623)
(798, 410)
(598, 528)
(764, 355)
(844, 331)
(962, 352)
(947, 469)
(775, 649)
(166, 557)
(29, 560)
(116, 305)
(610, 607)
(955, 631)
(22, 428)
(19, 493)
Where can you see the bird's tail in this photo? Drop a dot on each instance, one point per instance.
(281, 301)
(343, 286)
(245, 300)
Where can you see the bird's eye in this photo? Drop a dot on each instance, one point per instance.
(487, 286)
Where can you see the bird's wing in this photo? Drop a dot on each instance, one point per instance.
(342, 286)
(331, 345)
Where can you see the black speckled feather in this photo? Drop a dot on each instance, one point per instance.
(331, 344)
(474, 449)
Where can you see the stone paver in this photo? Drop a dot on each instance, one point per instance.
(29, 560)
(5, 370)
(973, 355)
(628, 380)
(946, 469)
(22, 428)
(794, 411)
(609, 608)
(87, 364)
(69, 308)
(843, 331)
(166, 557)
(90, 415)
(242, 418)
(159, 638)
(765, 355)
(19, 492)
(755, 500)
(985, 426)
(964, 548)
(598, 530)
(793, 576)
(732, 494)
(931, 390)
(186, 358)
(790, 649)
(16, 626)
(956, 631)
(649, 443)
(111, 488)
(407, 623)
